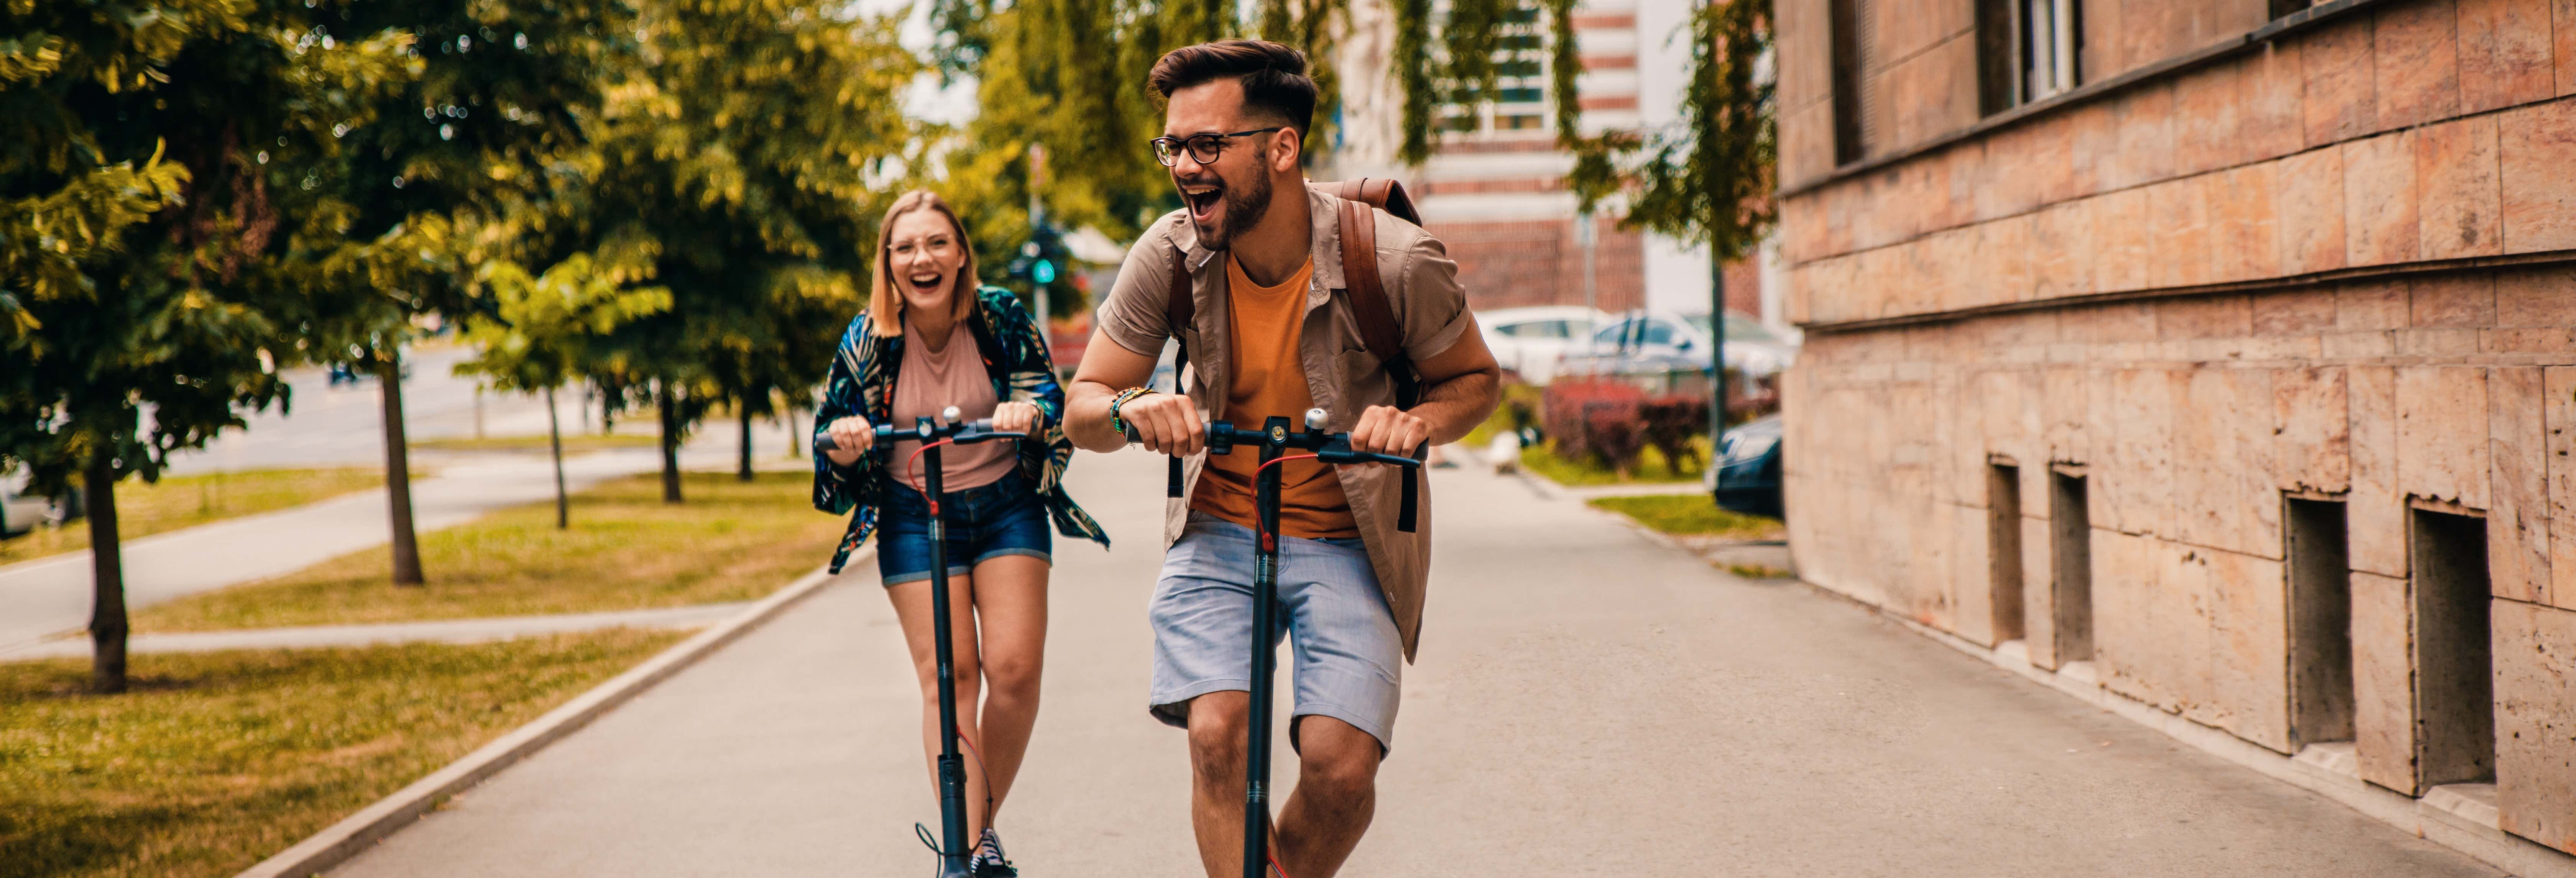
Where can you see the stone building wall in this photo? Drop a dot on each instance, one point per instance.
(2258, 270)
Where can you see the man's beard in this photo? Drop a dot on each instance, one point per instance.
(1241, 212)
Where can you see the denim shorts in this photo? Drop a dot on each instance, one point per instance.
(1349, 658)
(984, 522)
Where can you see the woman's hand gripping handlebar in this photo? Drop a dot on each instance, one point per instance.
(854, 439)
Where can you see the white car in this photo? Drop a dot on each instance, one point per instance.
(1647, 338)
(20, 513)
(1533, 341)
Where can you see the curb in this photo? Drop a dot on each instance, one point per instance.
(346, 839)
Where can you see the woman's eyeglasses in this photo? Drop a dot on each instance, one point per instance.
(906, 247)
(1203, 147)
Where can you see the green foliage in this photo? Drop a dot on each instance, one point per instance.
(479, 152)
(1710, 177)
(1477, 39)
(153, 156)
(742, 166)
(541, 330)
(1413, 71)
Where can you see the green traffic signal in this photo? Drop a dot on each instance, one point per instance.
(1043, 272)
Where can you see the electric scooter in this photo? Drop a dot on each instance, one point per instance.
(1275, 439)
(952, 771)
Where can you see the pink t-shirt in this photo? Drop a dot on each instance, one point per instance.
(925, 384)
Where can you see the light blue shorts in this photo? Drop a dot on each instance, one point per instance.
(1348, 658)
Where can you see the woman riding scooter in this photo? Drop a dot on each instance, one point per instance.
(932, 338)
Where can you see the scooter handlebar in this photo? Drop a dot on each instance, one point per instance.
(1333, 448)
(967, 433)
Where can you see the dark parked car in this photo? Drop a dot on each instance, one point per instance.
(1746, 478)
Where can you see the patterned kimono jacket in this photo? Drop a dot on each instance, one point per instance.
(862, 383)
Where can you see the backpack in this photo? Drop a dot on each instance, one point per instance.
(1369, 304)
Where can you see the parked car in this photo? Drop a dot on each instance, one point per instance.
(1532, 341)
(1656, 337)
(1746, 477)
(21, 512)
(1765, 353)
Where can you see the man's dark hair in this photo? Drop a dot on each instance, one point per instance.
(1274, 76)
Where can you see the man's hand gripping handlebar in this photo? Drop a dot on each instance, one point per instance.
(1221, 438)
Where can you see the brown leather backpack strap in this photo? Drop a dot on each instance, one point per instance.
(1381, 193)
(1378, 329)
(1180, 310)
(1368, 291)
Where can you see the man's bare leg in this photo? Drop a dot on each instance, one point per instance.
(1217, 723)
(1336, 797)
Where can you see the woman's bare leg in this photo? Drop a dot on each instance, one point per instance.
(1011, 604)
(912, 606)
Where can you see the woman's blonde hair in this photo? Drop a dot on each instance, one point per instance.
(884, 302)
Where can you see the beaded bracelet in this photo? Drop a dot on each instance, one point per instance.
(1124, 397)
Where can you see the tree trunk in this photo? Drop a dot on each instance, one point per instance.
(554, 438)
(744, 473)
(107, 626)
(1716, 350)
(406, 543)
(670, 411)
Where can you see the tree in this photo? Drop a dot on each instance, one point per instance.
(1709, 177)
(414, 207)
(141, 213)
(542, 329)
(749, 157)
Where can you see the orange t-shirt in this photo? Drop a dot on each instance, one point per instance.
(1268, 380)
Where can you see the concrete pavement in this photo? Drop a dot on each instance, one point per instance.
(1588, 702)
(483, 630)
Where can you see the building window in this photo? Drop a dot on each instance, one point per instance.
(2026, 51)
(1851, 116)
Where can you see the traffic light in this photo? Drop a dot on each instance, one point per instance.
(1042, 258)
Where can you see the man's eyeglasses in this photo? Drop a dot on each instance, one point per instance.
(1203, 147)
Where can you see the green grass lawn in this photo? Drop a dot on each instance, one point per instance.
(626, 550)
(539, 444)
(144, 509)
(217, 760)
(1650, 468)
(1691, 515)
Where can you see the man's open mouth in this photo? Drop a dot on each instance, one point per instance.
(1202, 201)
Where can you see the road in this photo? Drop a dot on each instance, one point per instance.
(1588, 702)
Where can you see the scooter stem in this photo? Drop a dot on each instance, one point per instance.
(1265, 652)
(952, 770)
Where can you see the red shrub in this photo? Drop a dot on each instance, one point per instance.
(1595, 419)
(1671, 422)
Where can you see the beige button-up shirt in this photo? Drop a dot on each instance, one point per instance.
(1421, 286)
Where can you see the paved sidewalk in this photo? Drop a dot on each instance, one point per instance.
(49, 596)
(440, 631)
(1588, 702)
